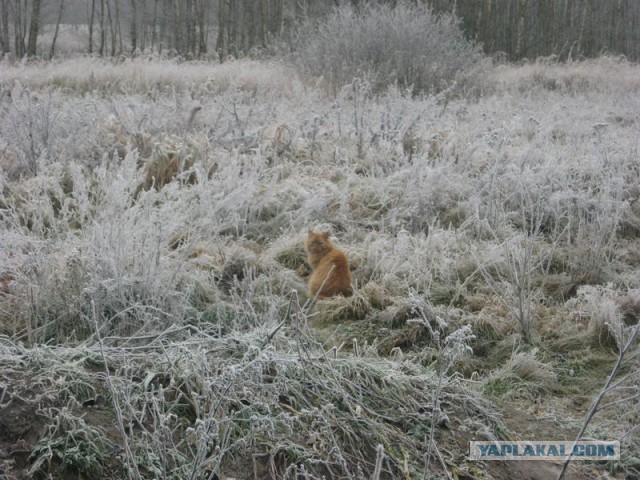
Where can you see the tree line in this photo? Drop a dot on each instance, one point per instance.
(565, 28)
(516, 29)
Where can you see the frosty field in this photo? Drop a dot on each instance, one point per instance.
(153, 315)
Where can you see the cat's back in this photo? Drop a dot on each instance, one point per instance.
(331, 275)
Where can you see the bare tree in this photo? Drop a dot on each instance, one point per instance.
(55, 33)
(154, 25)
(117, 30)
(114, 26)
(103, 30)
(92, 11)
(143, 26)
(19, 26)
(4, 26)
(223, 8)
(164, 25)
(201, 14)
(177, 27)
(133, 29)
(110, 29)
(34, 27)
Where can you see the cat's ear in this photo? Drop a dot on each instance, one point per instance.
(325, 235)
(309, 232)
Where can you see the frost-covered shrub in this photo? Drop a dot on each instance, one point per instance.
(601, 306)
(408, 45)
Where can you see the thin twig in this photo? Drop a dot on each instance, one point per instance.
(594, 406)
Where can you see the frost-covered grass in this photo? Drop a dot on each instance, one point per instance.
(514, 212)
(147, 75)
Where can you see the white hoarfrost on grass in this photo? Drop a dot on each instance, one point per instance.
(152, 220)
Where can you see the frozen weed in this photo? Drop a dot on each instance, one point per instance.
(514, 210)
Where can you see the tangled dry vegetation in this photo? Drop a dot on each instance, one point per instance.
(153, 322)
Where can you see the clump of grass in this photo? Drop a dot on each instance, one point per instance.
(408, 338)
(522, 374)
(396, 314)
(377, 296)
(340, 309)
(46, 203)
(491, 337)
(414, 321)
(168, 160)
(559, 287)
(289, 251)
(629, 306)
(605, 325)
(235, 262)
(71, 446)
(601, 308)
(283, 281)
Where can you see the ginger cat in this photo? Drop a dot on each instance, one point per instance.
(328, 263)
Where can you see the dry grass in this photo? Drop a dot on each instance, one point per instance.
(340, 309)
(331, 423)
(605, 72)
(143, 75)
(195, 290)
(522, 374)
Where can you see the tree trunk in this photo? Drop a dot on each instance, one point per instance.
(117, 29)
(222, 24)
(133, 29)
(55, 33)
(154, 25)
(109, 29)
(91, 16)
(279, 17)
(19, 28)
(34, 27)
(4, 33)
(165, 39)
(177, 27)
(581, 32)
(202, 47)
(520, 35)
(191, 28)
(112, 28)
(232, 29)
(143, 27)
(262, 22)
(103, 33)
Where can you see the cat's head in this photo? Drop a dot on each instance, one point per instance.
(317, 241)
